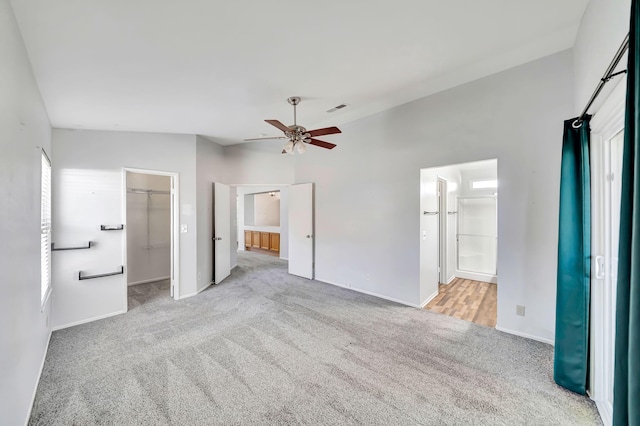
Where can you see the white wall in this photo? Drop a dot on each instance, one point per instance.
(210, 168)
(24, 126)
(249, 209)
(148, 228)
(258, 163)
(266, 209)
(602, 29)
(88, 191)
(367, 189)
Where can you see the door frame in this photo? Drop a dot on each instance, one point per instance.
(608, 121)
(175, 229)
(442, 230)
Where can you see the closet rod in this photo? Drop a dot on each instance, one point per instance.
(147, 191)
(608, 75)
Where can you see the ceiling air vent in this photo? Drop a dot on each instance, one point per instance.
(335, 108)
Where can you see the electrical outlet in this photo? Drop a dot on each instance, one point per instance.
(520, 310)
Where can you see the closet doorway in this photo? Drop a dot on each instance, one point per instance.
(151, 236)
(459, 240)
(607, 143)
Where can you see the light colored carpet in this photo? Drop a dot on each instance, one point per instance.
(264, 347)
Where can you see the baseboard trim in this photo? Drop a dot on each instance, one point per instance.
(285, 258)
(526, 335)
(370, 293)
(35, 389)
(99, 317)
(152, 280)
(493, 279)
(453, 277)
(429, 299)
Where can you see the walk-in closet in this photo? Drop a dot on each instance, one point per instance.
(148, 237)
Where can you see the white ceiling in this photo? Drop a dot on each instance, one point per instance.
(219, 68)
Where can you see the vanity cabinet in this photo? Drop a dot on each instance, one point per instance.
(262, 240)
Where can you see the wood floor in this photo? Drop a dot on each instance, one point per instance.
(474, 301)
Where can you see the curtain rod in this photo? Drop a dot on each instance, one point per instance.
(608, 75)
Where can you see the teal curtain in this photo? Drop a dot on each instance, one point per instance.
(626, 382)
(574, 260)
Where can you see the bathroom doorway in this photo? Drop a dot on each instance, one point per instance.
(263, 220)
(459, 240)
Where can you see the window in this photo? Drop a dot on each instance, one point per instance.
(45, 229)
(484, 184)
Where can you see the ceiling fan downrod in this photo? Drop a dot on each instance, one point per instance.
(294, 100)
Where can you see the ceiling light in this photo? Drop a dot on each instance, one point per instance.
(288, 147)
(301, 148)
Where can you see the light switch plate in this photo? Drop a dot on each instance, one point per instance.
(183, 229)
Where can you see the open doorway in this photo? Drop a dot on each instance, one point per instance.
(150, 252)
(459, 241)
(262, 218)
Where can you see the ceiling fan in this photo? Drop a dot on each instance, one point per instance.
(299, 136)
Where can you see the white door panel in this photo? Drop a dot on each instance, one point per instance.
(221, 232)
(429, 221)
(606, 167)
(301, 230)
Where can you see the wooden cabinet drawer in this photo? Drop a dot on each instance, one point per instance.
(255, 239)
(264, 240)
(274, 242)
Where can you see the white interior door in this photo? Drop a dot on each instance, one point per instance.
(221, 232)
(301, 230)
(606, 169)
(429, 224)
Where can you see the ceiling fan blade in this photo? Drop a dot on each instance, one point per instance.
(322, 144)
(263, 139)
(279, 125)
(325, 131)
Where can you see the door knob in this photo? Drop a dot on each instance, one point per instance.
(308, 236)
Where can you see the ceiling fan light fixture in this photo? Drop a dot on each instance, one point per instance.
(298, 135)
(288, 147)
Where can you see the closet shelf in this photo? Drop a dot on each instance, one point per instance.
(88, 246)
(90, 277)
